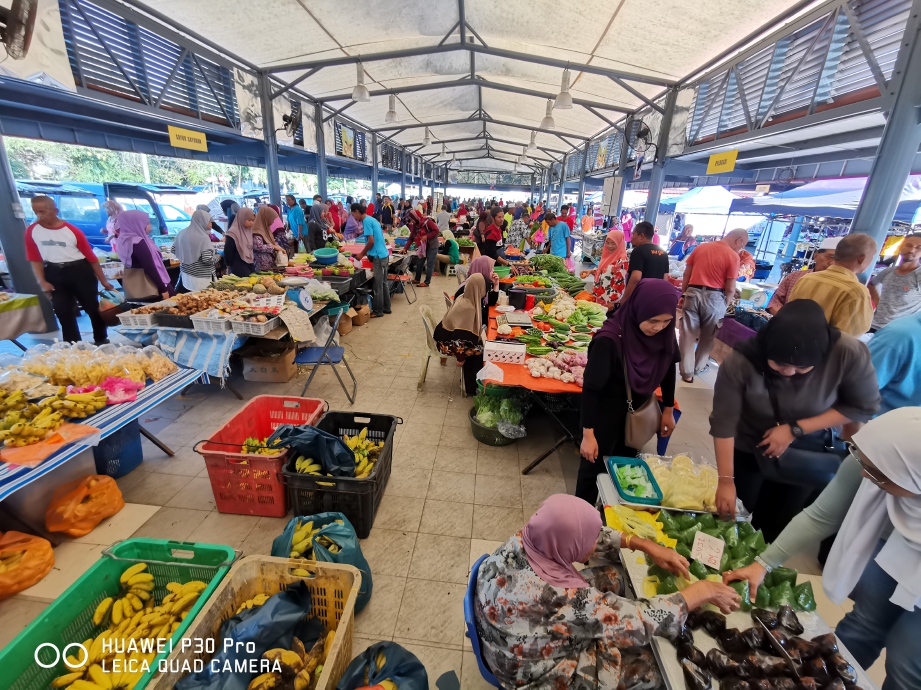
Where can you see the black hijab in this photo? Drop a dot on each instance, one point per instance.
(798, 335)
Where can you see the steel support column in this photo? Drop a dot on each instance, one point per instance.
(581, 198)
(900, 141)
(321, 151)
(268, 136)
(621, 172)
(657, 179)
(403, 174)
(12, 238)
(532, 188)
(374, 164)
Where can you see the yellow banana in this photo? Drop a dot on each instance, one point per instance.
(132, 571)
(64, 681)
(86, 685)
(138, 579)
(98, 676)
(102, 610)
(117, 612)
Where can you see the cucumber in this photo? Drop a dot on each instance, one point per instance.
(539, 350)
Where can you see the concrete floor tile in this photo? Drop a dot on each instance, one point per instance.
(446, 518)
(388, 551)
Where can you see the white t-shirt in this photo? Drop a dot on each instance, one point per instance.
(57, 246)
(900, 295)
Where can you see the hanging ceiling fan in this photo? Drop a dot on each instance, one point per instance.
(293, 119)
(16, 27)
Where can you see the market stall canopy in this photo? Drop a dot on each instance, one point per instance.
(829, 198)
(483, 70)
(700, 200)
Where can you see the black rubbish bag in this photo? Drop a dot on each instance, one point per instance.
(385, 661)
(330, 451)
(343, 535)
(274, 624)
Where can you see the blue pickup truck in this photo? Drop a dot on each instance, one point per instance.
(81, 204)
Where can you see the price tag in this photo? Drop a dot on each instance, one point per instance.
(708, 550)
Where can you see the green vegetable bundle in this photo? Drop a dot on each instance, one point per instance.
(548, 262)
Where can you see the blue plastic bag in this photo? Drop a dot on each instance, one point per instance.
(399, 665)
(343, 535)
(274, 624)
(330, 451)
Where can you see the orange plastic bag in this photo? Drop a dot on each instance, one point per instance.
(78, 506)
(24, 560)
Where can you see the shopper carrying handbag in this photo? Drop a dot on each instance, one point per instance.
(632, 355)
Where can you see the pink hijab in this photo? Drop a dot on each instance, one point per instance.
(562, 531)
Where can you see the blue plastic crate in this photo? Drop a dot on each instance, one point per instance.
(121, 452)
(614, 461)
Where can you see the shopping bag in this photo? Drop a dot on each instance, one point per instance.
(570, 264)
(25, 559)
(385, 661)
(330, 451)
(273, 625)
(341, 534)
(78, 506)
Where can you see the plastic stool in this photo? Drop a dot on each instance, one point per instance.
(452, 271)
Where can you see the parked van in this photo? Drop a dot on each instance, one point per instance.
(81, 204)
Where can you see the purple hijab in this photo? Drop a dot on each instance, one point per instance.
(132, 230)
(562, 532)
(647, 357)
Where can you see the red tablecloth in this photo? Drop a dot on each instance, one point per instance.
(518, 374)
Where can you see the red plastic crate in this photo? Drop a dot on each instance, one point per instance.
(245, 484)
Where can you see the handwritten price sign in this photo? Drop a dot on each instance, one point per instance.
(708, 550)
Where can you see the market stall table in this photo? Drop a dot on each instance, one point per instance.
(634, 563)
(517, 375)
(21, 314)
(108, 421)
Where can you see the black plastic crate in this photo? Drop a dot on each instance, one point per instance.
(357, 499)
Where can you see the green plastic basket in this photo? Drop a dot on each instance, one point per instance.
(70, 617)
(483, 434)
(502, 271)
(493, 391)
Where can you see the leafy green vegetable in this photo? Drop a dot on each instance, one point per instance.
(780, 575)
(510, 411)
(548, 262)
(731, 537)
(741, 586)
(699, 570)
(683, 549)
(746, 529)
(687, 535)
(763, 598)
(707, 520)
(487, 410)
(803, 597)
(756, 542)
(634, 480)
(667, 585)
(782, 595)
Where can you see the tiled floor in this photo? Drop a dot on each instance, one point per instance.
(449, 499)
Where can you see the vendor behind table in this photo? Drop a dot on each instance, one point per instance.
(542, 638)
(459, 333)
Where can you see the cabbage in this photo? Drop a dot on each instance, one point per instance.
(510, 411)
(487, 410)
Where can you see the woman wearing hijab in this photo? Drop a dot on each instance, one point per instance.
(459, 333)
(874, 506)
(637, 341)
(238, 244)
(462, 215)
(485, 266)
(113, 209)
(789, 384)
(611, 274)
(196, 254)
(333, 214)
(137, 251)
(684, 243)
(316, 225)
(216, 232)
(746, 265)
(264, 244)
(544, 624)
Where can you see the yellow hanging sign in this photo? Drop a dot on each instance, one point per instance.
(187, 139)
(722, 162)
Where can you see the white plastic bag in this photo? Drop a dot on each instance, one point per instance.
(490, 371)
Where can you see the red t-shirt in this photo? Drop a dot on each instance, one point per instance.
(493, 232)
(570, 221)
(59, 245)
(711, 264)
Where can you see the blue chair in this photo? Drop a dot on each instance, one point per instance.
(471, 624)
(329, 355)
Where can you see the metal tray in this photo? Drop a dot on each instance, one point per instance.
(664, 650)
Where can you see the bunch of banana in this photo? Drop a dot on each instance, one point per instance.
(13, 401)
(257, 600)
(307, 466)
(366, 452)
(302, 542)
(300, 669)
(379, 661)
(75, 405)
(10, 560)
(129, 620)
(24, 431)
(253, 446)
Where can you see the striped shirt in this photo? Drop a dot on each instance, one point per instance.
(845, 301)
(203, 268)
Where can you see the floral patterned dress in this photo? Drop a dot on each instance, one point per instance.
(263, 254)
(610, 286)
(538, 636)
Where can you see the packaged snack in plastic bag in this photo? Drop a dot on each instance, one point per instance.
(107, 350)
(156, 364)
(39, 363)
(78, 506)
(97, 369)
(127, 367)
(684, 483)
(26, 560)
(74, 368)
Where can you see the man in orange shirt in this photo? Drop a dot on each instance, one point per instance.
(709, 286)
